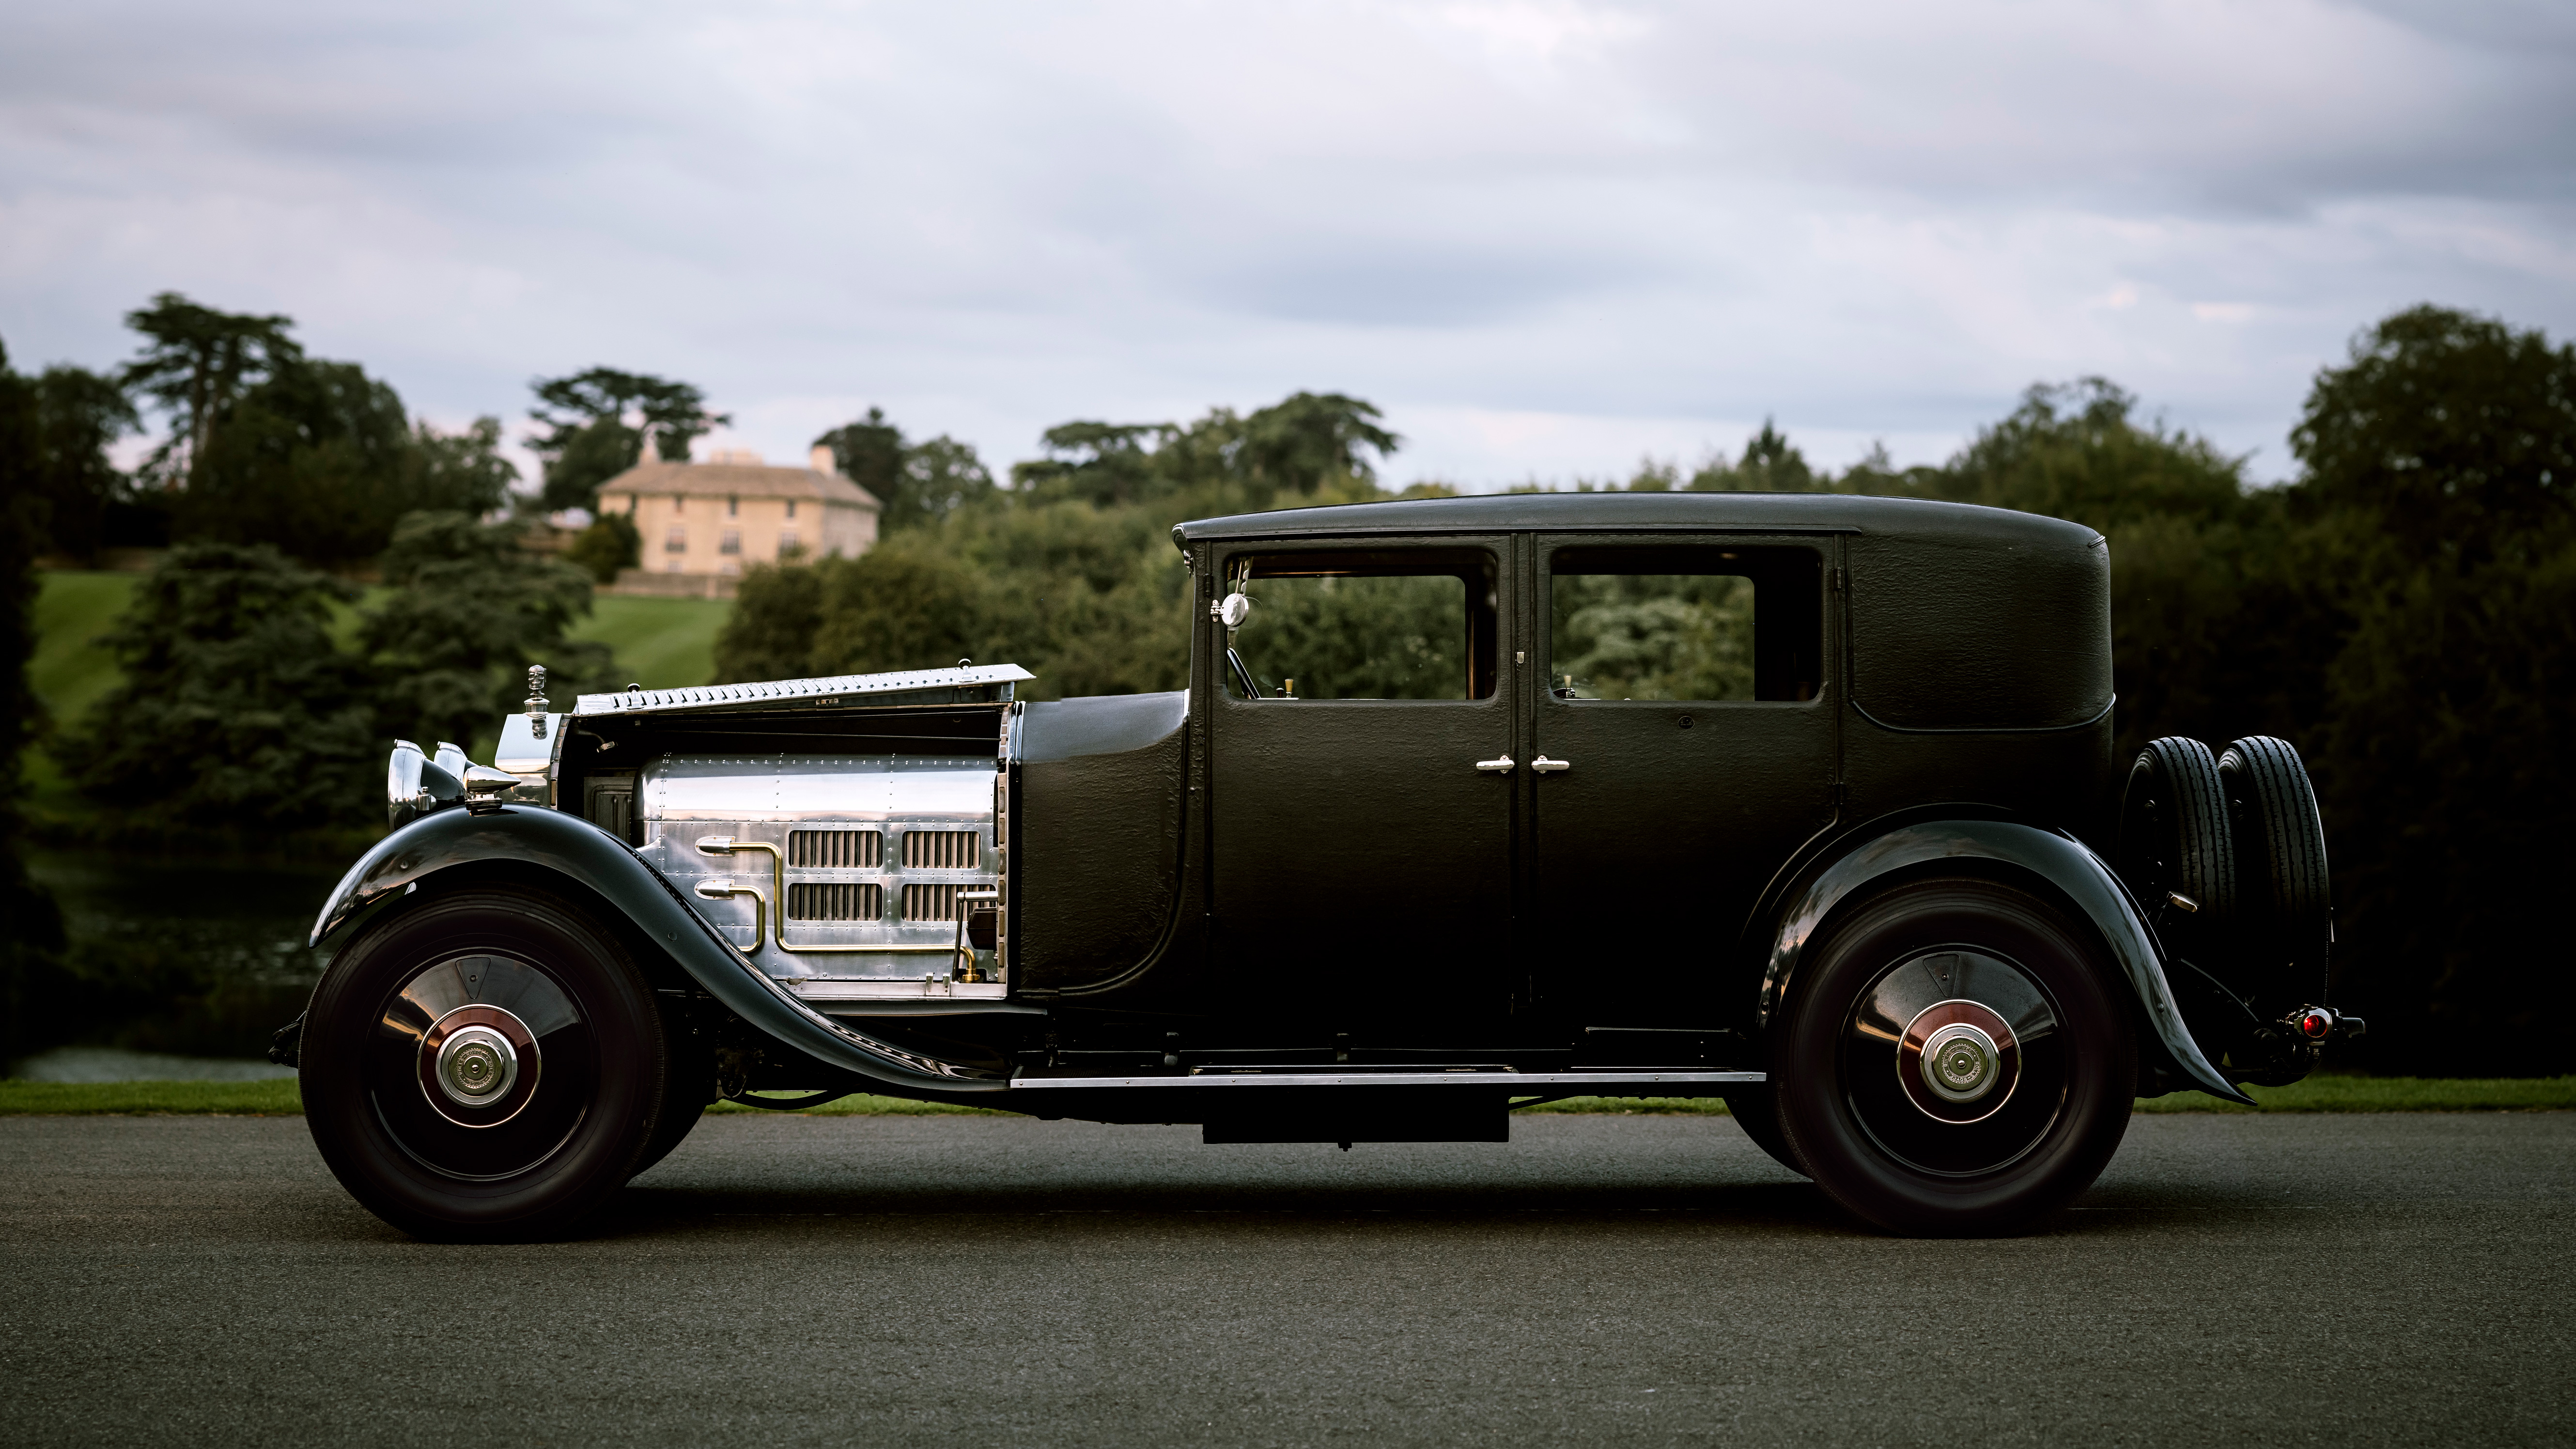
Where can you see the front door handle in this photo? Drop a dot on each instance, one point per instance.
(1502, 766)
(1545, 766)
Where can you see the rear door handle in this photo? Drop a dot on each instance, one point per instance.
(1545, 766)
(1502, 766)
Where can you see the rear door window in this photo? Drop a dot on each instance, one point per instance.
(1691, 622)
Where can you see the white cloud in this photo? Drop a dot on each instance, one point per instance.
(1546, 237)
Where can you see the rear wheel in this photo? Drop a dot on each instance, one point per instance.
(488, 1064)
(1951, 1059)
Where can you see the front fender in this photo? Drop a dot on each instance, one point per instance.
(2076, 873)
(574, 848)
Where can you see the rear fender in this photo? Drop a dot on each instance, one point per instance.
(572, 849)
(2065, 867)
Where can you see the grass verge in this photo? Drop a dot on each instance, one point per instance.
(277, 1098)
(2317, 1094)
(2388, 1094)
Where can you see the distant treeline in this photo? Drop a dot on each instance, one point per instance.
(2404, 610)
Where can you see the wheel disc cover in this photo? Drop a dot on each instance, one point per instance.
(481, 1066)
(1953, 1062)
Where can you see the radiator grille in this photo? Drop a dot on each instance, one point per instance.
(941, 850)
(939, 902)
(834, 849)
(828, 901)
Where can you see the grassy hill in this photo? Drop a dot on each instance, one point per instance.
(659, 643)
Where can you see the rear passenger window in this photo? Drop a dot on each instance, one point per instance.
(1687, 622)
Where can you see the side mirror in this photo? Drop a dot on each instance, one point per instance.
(1232, 610)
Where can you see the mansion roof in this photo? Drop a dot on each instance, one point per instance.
(738, 480)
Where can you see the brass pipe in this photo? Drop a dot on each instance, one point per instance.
(727, 845)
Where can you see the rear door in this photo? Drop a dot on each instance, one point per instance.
(1684, 747)
(1362, 857)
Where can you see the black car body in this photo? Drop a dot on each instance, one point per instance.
(1625, 794)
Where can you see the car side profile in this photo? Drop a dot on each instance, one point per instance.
(1805, 802)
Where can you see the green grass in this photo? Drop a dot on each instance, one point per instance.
(70, 671)
(278, 1098)
(2317, 1094)
(660, 643)
(2388, 1094)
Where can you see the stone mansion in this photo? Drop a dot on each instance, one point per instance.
(702, 524)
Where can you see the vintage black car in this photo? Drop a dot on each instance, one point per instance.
(1804, 802)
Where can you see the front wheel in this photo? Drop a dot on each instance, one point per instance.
(488, 1064)
(1953, 1060)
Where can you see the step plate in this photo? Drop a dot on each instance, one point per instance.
(1534, 1082)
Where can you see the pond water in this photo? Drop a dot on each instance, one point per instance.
(199, 959)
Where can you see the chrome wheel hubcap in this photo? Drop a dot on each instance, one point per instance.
(1954, 1062)
(1960, 1062)
(476, 1066)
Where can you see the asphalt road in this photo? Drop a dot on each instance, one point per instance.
(1601, 1280)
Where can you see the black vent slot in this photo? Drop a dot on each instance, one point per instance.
(834, 849)
(835, 901)
(942, 850)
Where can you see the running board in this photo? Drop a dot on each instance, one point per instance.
(1515, 1082)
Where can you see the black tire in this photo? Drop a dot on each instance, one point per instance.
(392, 1061)
(1868, 1120)
(1757, 1111)
(2284, 906)
(692, 1086)
(678, 1120)
(2175, 840)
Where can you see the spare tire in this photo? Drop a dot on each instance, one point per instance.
(2286, 911)
(2176, 848)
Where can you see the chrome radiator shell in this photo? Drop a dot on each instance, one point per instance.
(739, 836)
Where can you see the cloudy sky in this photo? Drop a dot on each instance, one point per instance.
(1546, 238)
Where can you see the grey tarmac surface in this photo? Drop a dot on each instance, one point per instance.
(1601, 1280)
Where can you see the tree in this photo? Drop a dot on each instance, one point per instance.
(196, 361)
(460, 472)
(2073, 451)
(939, 478)
(2457, 432)
(869, 452)
(77, 415)
(901, 605)
(306, 460)
(470, 610)
(769, 633)
(917, 483)
(1306, 441)
(610, 543)
(1769, 465)
(235, 708)
(2433, 514)
(30, 948)
(588, 438)
(1106, 465)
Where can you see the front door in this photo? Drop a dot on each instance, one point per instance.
(1685, 748)
(1363, 818)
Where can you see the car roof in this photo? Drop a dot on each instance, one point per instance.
(1705, 512)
